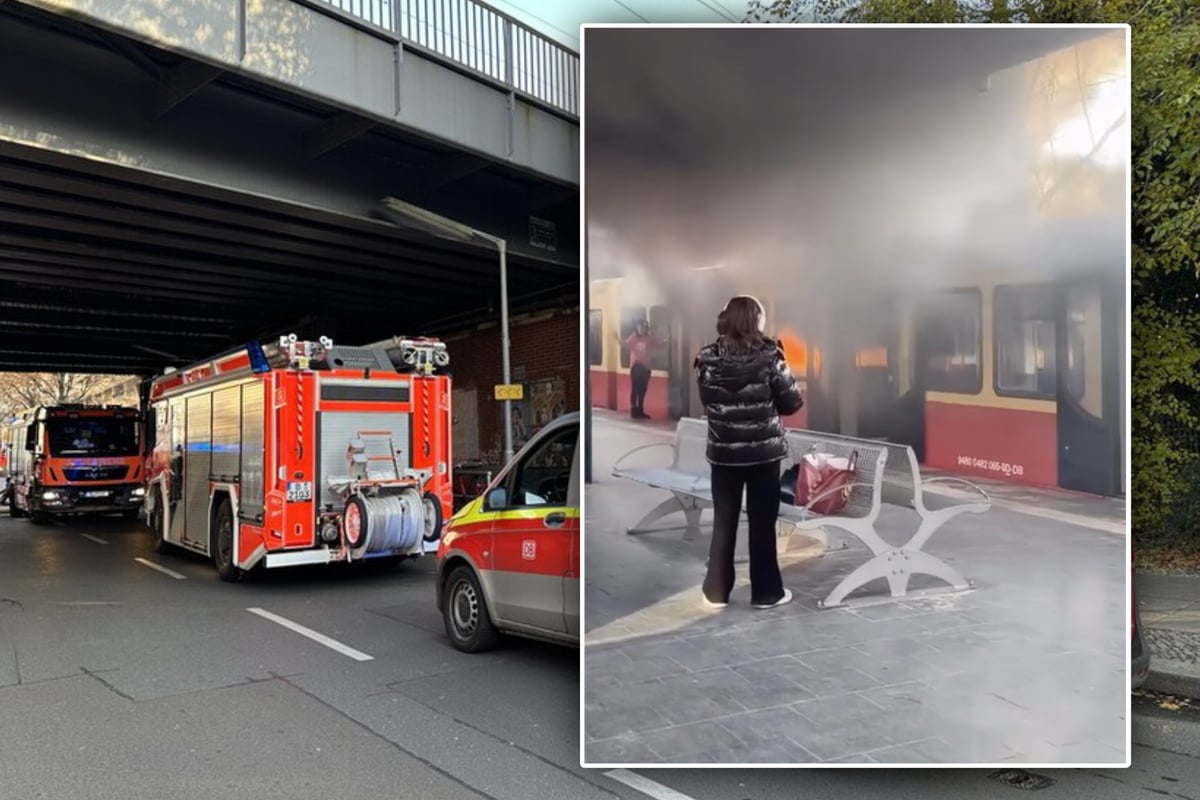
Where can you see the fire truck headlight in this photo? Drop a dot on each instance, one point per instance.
(49, 495)
(138, 491)
(441, 358)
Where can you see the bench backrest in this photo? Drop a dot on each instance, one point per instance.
(901, 476)
(872, 465)
(892, 465)
(691, 447)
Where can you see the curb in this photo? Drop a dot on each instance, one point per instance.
(1177, 678)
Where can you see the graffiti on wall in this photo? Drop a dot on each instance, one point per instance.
(544, 401)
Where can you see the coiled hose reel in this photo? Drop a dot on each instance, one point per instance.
(391, 523)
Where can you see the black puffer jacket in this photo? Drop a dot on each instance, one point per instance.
(744, 394)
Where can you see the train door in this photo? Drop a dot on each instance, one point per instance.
(1089, 386)
(887, 400)
(681, 388)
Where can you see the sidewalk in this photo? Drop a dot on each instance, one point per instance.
(1170, 612)
(1028, 668)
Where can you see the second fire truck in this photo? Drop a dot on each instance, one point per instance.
(301, 452)
(64, 460)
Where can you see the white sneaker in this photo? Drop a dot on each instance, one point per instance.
(783, 601)
(710, 603)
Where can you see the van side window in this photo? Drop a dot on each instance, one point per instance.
(544, 476)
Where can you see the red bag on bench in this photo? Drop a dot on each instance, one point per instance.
(821, 475)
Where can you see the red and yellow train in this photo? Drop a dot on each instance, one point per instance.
(997, 375)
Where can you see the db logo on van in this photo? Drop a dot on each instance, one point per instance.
(529, 549)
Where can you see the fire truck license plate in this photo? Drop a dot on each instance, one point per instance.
(95, 494)
(299, 491)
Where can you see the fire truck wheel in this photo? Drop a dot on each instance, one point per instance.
(155, 520)
(222, 546)
(38, 517)
(468, 623)
(431, 515)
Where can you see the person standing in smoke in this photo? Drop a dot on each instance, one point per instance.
(638, 345)
(745, 387)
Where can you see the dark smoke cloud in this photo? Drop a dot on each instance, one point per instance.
(826, 159)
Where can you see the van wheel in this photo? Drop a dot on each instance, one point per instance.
(222, 544)
(466, 616)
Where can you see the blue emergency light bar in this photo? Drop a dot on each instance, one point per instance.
(258, 359)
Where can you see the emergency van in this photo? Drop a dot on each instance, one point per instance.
(509, 560)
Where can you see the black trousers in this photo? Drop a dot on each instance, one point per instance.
(639, 376)
(761, 484)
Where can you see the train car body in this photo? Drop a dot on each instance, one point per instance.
(1021, 381)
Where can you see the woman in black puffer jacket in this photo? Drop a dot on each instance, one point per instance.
(745, 385)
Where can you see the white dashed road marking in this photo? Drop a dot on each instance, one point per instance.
(320, 638)
(177, 576)
(646, 786)
(95, 539)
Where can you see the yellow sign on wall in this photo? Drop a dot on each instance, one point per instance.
(510, 391)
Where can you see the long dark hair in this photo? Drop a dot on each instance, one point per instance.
(737, 324)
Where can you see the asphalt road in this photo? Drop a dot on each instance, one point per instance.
(118, 680)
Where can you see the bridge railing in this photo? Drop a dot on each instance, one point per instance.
(476, 36)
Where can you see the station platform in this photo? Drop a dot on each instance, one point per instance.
(1028, 667)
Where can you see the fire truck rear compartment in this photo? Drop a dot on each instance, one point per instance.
(336, 430)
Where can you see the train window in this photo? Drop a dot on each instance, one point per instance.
(595, 337)
(1083, 370)
(1025, 340)
(950, 341)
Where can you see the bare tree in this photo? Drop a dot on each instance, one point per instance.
(22, 390)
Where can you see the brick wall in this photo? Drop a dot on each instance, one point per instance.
(544, 345)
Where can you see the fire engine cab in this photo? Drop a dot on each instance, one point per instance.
(73, 459)
(302, 452)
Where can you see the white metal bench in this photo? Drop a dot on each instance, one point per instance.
(887, 474)
(688, 478)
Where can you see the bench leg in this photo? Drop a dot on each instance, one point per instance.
(896, 566)
(936, 519)
(878, 567)
(691, 508)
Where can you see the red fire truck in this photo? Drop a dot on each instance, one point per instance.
(74, 459)
(301, 452)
